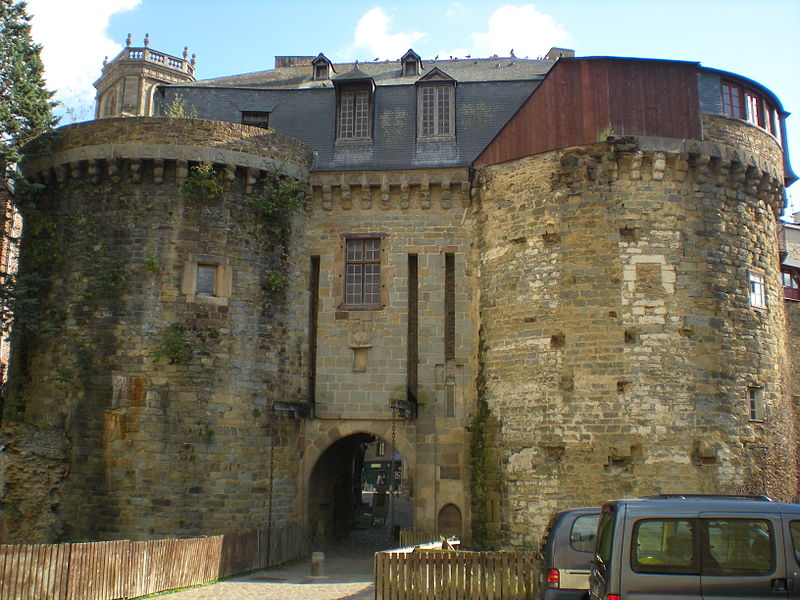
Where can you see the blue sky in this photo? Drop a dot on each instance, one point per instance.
(760, 40)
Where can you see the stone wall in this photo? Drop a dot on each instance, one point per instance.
(164, 394)
(426, 214)
(618, 338)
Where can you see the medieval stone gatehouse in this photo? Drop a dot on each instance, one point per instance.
(541, 283)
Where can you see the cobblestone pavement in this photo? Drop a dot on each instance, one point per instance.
(348, 576)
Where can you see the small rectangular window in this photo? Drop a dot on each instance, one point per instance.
(758, 290)
(753, 104)
(206, 280)
(732, 100)
(755, 403)
(363, 272)
(255, 119)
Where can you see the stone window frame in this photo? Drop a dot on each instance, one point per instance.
(757, 289)
(223, 279)
(366, 271)
(340, 290)
(756, 406)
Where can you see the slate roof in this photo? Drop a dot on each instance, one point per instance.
(390, 73)
(488, 92)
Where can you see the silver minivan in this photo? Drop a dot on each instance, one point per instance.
(685, 547)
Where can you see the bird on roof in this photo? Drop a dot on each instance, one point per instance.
(512, 53)
(376, 58)
(436, 57)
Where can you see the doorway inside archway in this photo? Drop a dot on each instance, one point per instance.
(358, 494)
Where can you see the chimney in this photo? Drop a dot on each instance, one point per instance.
(282, 62)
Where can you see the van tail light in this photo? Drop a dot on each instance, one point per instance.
(553, 578)
(613, 597)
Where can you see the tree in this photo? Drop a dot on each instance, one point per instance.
(25, 104)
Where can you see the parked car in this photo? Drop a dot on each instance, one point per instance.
(565, 554)
(697, 546)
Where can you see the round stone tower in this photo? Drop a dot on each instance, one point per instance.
(156, 334)
(632, 325)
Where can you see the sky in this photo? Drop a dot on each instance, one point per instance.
(760, 40)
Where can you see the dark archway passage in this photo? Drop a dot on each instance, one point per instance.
(356, 496)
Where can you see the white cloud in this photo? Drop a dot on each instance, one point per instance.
(372, 36)
(73, 38)
(454, 9)
(520, 28)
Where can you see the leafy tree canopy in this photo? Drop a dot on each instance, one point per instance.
(25, 104)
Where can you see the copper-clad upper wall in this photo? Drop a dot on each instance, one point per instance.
(582, 100)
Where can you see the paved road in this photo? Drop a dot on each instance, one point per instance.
(347, 579)
(348, 575)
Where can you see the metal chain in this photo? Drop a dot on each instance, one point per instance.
(391, 478)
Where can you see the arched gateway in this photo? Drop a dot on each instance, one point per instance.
(355, 475)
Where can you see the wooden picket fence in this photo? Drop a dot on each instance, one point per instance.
(454, 575)
(412, 537)
(124, 569)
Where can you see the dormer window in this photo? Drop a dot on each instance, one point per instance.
(436, 97)
(354, 114)
(354, 91)
(322, 68)
(411, 63)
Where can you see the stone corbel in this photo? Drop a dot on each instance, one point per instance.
(347, 202)
(425, 195)
(465, 194)
(327, 197)
(659, 166)
(405, 195)
(636, 164)
(446, 203)
(229, 177)
(136, 170)
(251, 178)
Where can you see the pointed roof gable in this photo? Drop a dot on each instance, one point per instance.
(434, 75)
(322, 67)
(411, 63)
(354, 75)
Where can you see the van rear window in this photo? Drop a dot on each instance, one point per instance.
(664, 546)
(584, 532)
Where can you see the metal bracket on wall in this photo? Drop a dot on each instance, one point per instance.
(296, 410)
(408, 406)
